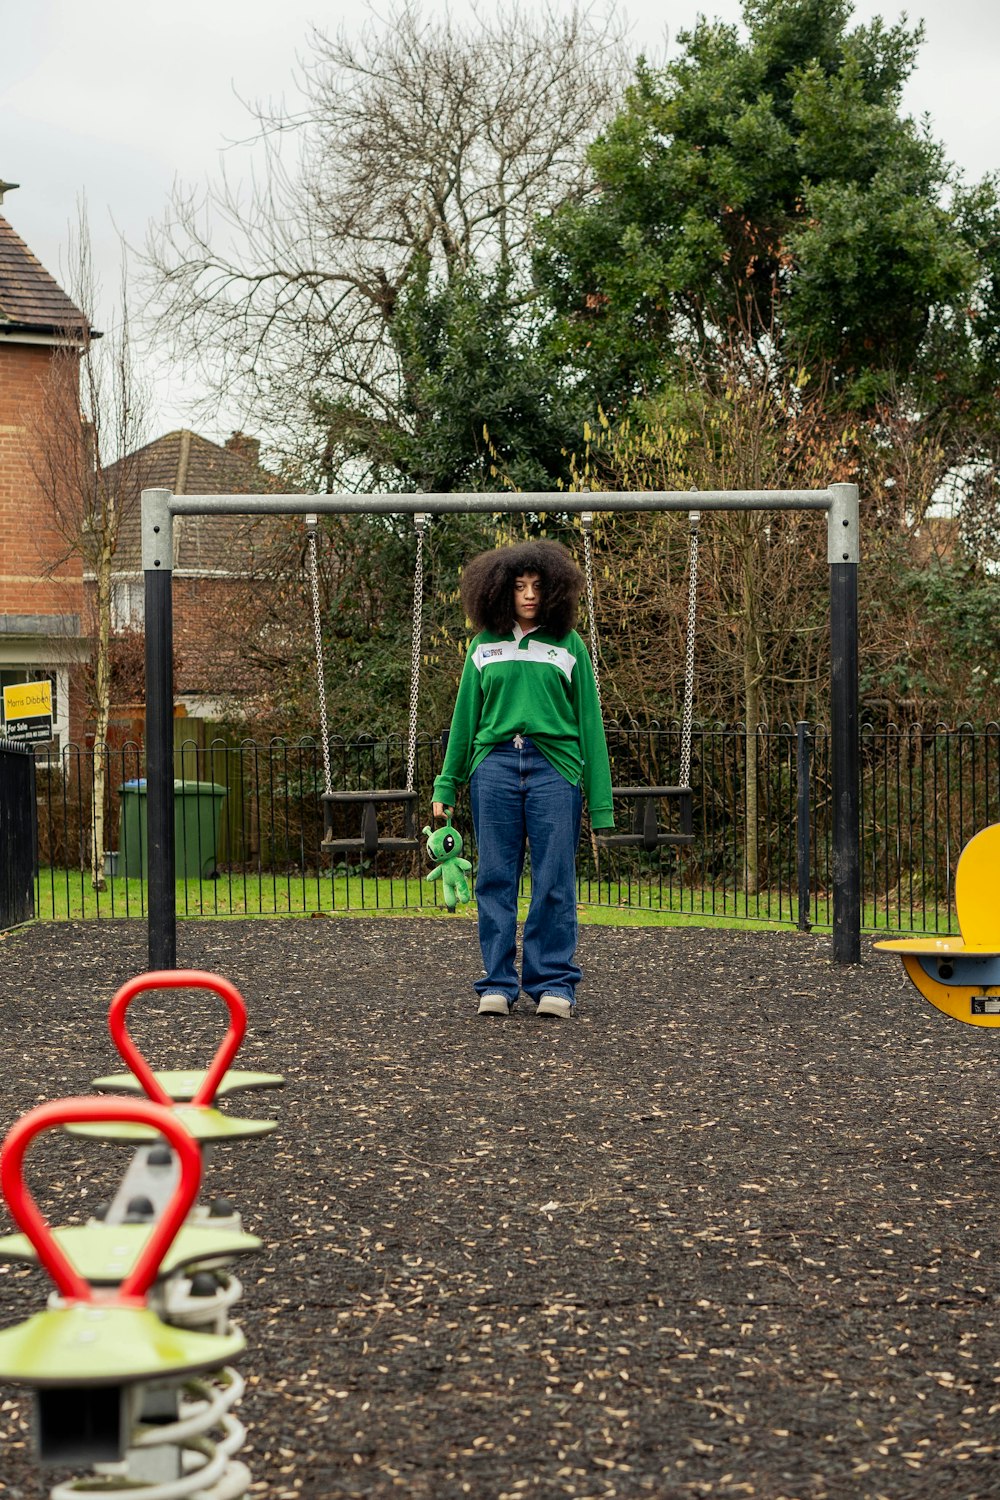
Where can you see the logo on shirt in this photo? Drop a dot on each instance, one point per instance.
(524, 652)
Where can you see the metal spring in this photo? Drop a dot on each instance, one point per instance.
(178, 1306)
(218, 1477)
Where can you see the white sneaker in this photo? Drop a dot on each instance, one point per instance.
(494, 1005)
(556, 1006)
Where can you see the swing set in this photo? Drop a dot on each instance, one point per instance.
(645, 833)
(838, 501)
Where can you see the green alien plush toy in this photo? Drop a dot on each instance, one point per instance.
(444, 845)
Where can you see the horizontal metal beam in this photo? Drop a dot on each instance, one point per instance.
(477, 501)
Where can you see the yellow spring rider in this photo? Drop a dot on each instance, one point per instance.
(961, 975)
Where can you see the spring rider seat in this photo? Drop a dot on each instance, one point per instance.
(961, 975)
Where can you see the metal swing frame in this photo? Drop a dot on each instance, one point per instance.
(646, 831)
(371, 840)
(161, 507)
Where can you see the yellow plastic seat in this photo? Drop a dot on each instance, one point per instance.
(207, 1124)
(961, 975)
(104, 1254)
(96, 1343)
(182, 1084)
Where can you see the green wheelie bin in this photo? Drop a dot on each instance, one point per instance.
(197, 813)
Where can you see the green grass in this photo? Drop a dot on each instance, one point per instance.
(62, 895)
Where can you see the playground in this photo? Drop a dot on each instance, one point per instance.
(731, 1232)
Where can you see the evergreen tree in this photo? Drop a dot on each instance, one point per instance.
(772, 183)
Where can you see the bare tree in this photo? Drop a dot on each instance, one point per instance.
(422, 147)
(94, 417)
(762, 619)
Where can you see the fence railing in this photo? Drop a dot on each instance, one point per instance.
(17, 834)
(925, 791)
(249, 826)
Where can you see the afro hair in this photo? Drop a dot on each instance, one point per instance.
(488, 586)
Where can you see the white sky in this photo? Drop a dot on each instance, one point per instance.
(117, 98)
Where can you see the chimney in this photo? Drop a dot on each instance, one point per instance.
(244, 447)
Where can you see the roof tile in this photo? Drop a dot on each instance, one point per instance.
(29, 297)
(185, 463)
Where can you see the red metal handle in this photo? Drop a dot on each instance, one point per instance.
(193, 979)
(29, 1217)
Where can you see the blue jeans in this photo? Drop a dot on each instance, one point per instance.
(516, 795)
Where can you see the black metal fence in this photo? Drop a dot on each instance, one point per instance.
(925, 792)
(17, 834)
(249, 824)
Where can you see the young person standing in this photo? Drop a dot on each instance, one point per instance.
(527, 736)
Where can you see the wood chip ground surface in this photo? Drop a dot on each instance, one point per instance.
(732, 1232)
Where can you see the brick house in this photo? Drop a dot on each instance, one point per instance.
(42, 605)
(46, 592)
(212, 554)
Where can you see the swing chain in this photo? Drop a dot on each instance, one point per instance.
(586, 523)
(420, 522)
(694, 518)
(312, 521)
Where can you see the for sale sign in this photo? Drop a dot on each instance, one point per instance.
(27, 711)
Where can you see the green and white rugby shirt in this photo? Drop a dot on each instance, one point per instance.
(536, 684)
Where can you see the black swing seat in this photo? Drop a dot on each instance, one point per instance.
(646, 831)
(371, 841)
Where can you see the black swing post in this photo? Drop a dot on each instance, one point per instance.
(370, 841)
(646, 832)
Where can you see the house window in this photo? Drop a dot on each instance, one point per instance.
(128, 604)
